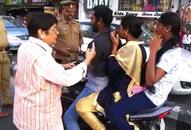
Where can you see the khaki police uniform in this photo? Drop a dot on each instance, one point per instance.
(70, 36)
(4, 66)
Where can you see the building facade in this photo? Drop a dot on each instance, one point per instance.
(140, 8)
(22, 7)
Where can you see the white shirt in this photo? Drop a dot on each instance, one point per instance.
(175, 63)
(38, 82)
(54, 72)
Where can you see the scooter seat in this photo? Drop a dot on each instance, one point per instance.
(150, 113)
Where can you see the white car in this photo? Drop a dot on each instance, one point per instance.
(183, 84)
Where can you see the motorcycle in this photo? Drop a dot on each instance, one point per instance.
(151, 119)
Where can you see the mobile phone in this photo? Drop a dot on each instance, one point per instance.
(90, 45)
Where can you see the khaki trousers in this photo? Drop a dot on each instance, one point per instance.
(5, 78)
(85, 108)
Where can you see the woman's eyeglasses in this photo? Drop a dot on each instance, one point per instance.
(54, 30)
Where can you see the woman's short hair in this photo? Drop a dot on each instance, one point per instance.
(132, 24)
(39, 20)
(171, 19)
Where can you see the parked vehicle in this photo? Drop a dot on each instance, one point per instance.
(16, 32)
(182, 86)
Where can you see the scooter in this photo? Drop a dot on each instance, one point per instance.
(151, 119)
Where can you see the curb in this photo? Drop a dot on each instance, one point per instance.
(180, 116)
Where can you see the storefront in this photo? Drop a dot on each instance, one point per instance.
(13, 2)
(85, 7)
(145, 5)
(22, 7)
(140, 8)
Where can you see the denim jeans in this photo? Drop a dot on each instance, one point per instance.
(71, 116)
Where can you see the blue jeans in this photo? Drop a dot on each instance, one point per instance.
(71, 116)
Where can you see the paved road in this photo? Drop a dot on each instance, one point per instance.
(182, 101)
(7, 123)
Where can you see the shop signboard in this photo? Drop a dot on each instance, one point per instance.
(145, 5)
(89, 4)
(143, 14)
(51, 10)
(13, 2)
(34, 1)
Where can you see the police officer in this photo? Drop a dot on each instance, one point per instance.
(4, 70)
(70, 37)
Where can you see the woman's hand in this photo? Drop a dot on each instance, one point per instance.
(155, 43)
(115, 41)
(151, 71)
(90, 54)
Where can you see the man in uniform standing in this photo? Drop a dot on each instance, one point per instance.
(70, 37)
(5, 98)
